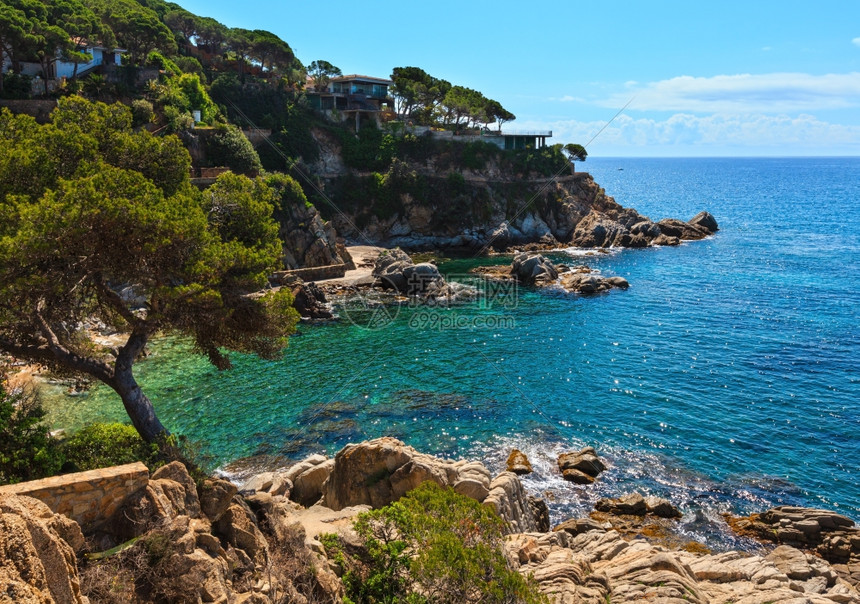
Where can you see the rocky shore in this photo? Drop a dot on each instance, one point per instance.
(260, 541)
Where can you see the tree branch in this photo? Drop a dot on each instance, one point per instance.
(97, 369)
(114, 300)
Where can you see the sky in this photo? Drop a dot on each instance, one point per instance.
(729, 78)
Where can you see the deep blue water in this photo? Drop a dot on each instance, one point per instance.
(726, 378)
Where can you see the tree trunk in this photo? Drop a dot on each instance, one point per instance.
(138, 406)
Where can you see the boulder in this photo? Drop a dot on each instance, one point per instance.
(380, 471)
(634, 504)
(215, 496)
(238, 527)
(518, 463)
(575, 526)
(309, 300)
(273, 483)
(36, 563)
(590, 282)
(672, 227)
(307, 486)
(177, 472)
(530, 268)
(705, 221)
(509, 500)
(580, 467)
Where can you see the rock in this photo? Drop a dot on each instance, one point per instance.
(530, 268)
(380, 471)
(587, 282)
(704, 220)
(509, 500)
(307, 486)
(171, 492)
(663, 508)
(178, 473)
(273, 483)
(36, 564)
(309, 300)
(215, 496)
(672, 227)
(238, 527)
(518, 463)
(395, 270)
(581, 467)
(575, 526)
(632, 504)
(540, 512)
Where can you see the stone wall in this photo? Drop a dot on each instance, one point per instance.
(41, 110)
(89, 498)
(315, 273)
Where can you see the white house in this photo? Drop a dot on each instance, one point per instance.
(65, 69)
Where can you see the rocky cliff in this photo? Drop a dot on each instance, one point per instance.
(432, 204)
(208, 542)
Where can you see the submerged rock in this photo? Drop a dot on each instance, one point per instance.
(635, 504)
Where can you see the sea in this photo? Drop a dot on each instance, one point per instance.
(726, 378)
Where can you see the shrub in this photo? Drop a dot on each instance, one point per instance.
(27, 450)
(188, 65)
(101, 445)
(230, 147)
(16, 86)
(142, 112)
(433, 545)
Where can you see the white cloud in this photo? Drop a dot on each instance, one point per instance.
(745, 93)
(856, 41)
(716, 134)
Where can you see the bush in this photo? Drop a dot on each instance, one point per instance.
(16, 86)
(433, 545)
(27, 450)
(188, 65)
(230, 147)
(142, 112)
(101, 445)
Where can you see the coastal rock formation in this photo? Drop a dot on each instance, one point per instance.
(309, 300)
(599, 566)
(532, 268)
(634, 504)
(380, 471)
(580, 467)
(830, 535)
(570, 210)
(37, 564)
(584, 280)
(394, 269)
(308, 477)
(529, 268)
(309, 241)
(518, 463)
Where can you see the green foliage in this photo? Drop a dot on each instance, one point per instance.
(433, 545)
(185, 93)
(102, 445)
(27, 451)
(288, 194)
(188, 65)
(546, 161)
(15, 86)
(372, 149)
(576, 152)
(137, 27)
(321, 72)
(230, 147)
(74, 229)
(142, 112)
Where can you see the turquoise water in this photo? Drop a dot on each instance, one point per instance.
(725, 378)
